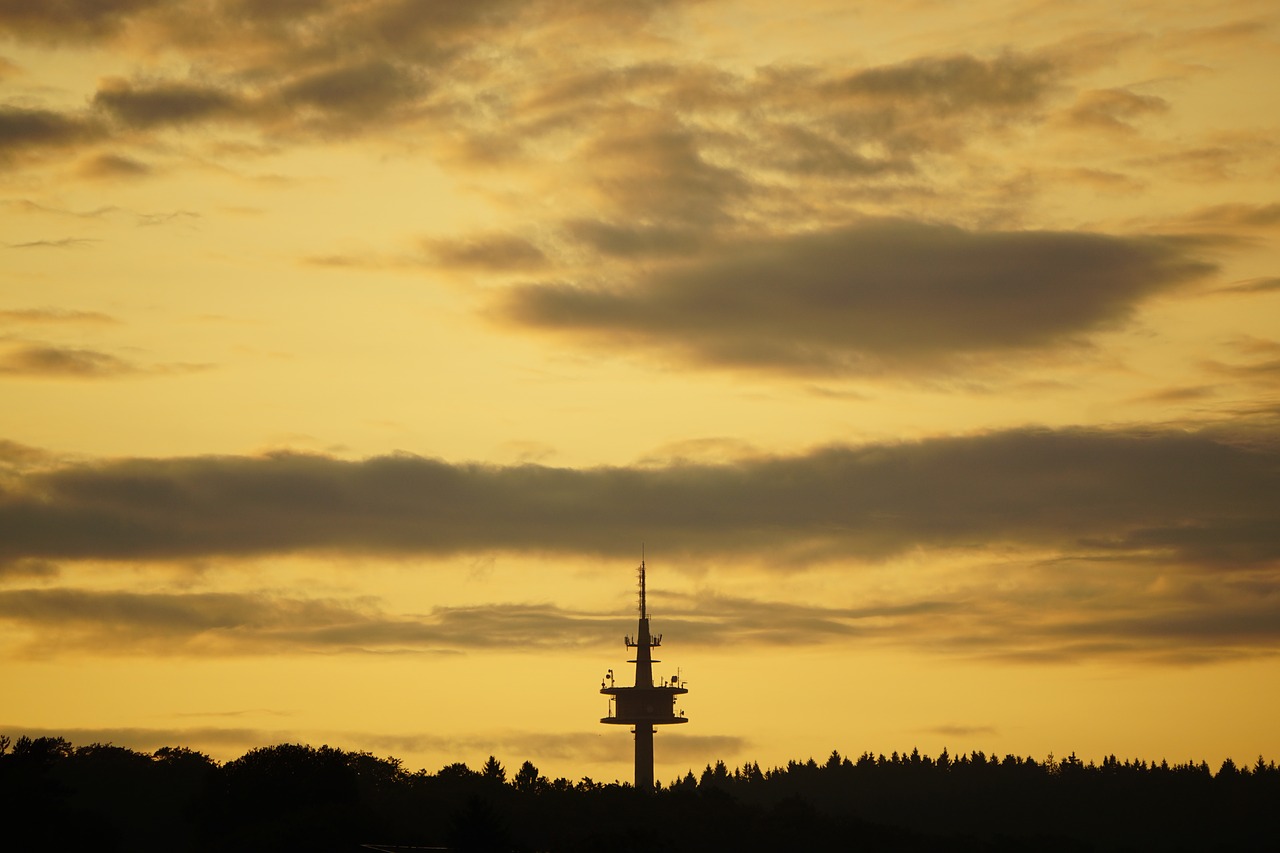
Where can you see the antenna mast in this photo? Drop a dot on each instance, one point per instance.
(644, 612)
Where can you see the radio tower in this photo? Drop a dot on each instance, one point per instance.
(644, 705)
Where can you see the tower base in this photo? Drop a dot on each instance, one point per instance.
(644, 757)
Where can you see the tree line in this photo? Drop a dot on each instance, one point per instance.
(101, 797)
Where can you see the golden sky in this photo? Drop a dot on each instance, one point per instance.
(350, 351)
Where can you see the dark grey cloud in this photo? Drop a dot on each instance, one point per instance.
(44, 360)
(631, 240)
(68, 20)
(174, 103)
(23, 129)
(1179, 394)
(325, 99)
(28, 569)
(171, 615)
(494, 252)
(953, 83)
(654, 168)
(55, 361)
(1174, 496)
(355, 91)
(18, 455)
(882, 295)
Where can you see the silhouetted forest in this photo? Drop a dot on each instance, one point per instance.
(293, 797)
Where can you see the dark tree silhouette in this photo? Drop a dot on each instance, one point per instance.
(295, 797)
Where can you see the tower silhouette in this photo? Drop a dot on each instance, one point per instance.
(644, 705)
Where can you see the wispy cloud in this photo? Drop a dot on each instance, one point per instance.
(52, 361)
(114, 166)
(42, 316)
(1046, 613)
(59, 243)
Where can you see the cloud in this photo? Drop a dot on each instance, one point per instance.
(198, 624)
(17, 455)
(969, 732)
(1008, 611)
(629, 240)
(1253, 285)
(164, 103)
(1179, 394)
(1232, 217)
(1264, 370)
(1112, 109)
(879, 296)
(490, 252)
(104, 622)
(27, 569)
(53, 361)
(344, 98)
(953, 82)
(63, 620)
(652, 167)
(61, 243)
(361, 90)
(113, 165)
(68, 20)
(54, 315)
(24, 130)
(1178, 497)
(107, 211)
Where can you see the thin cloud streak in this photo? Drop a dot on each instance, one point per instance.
(1037, 615)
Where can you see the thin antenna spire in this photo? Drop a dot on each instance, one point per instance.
(644, 612)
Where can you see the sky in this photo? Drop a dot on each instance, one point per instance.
(353, 352)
